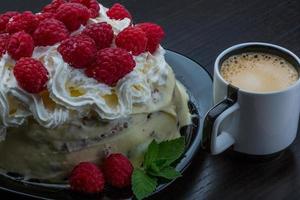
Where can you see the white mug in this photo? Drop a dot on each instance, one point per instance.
(249, 122)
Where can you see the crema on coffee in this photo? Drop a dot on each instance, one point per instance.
(259, 72)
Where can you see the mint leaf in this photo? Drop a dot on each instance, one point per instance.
(169, 151)
(157, 161)
(167, 173)
(142, 184)
(151, 154)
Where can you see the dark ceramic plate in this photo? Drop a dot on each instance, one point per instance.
(199, 84)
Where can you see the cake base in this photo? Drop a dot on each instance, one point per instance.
(53, 161)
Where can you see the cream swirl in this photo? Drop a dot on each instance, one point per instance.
(72, 89)
(12, 114)
(153, 66)
(17, 104)
(117, 25)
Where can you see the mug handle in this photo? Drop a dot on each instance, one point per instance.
(214, 140)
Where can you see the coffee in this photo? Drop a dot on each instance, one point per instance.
(259, 72)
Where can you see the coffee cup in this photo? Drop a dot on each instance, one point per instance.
(255, 120)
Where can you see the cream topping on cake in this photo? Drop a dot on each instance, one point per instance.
(117, 25)
(72, 95)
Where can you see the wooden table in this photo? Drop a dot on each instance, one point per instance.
(200, 29)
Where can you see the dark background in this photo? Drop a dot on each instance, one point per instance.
(200, 29)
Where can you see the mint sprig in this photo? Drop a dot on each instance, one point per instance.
(157, 165)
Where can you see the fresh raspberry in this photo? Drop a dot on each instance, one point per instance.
(50, 32)
(154, 33)
(26, 21)
(92, 5)
(132, 39)
(111, 65)
(118, 11)
(42, 16)
(101, 33)
(87, 178)
(53, 6)
(4, 38)
(73, 15)
(20, 45)
(79, 51)
(117, 170)
(31, 75)
(4, 18)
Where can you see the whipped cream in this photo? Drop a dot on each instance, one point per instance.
(72, 95)
(117, 25)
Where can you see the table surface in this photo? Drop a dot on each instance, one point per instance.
(200, 29)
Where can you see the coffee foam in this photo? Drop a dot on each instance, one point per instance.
(259, 72)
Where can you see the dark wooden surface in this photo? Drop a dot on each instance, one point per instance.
(201, 29)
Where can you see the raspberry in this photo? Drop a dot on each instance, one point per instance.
(50, 32)
(101, 33)
(117, 170)
(53, 6)
(79, 51)
(4, 18)
(111, 65)
(20, 45)
(132, 39)
(4, 38)
(31, 75)
(73, 15)
(118, 11)
(86, 177)
(92, 5)
(26, 21)
(42, 16)
(154, 33)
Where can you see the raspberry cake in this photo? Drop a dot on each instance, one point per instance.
(80, 81)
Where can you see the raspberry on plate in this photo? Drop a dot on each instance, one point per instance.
(79, 51)
(25, 21)
(132, 39)
(20, 45)
(4, 38)
(92, 5)
(53, 6)
(46, 15)
(117, 170)
(50, 32)
(111, 65)
(118, 12)
(87, 178)
(154, 33)
(101, 33)
(4, 18)
(73, 15)
(31, 75)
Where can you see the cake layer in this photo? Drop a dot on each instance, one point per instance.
(37, 152)
(21, 154)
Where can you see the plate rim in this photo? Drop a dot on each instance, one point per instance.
(192, 59)
(198, 137)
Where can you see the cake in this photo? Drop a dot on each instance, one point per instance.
(55, 118)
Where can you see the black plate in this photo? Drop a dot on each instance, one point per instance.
(199, 84)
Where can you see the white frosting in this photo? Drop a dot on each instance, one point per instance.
(8, 87)
(117, 25)
(108, 102)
